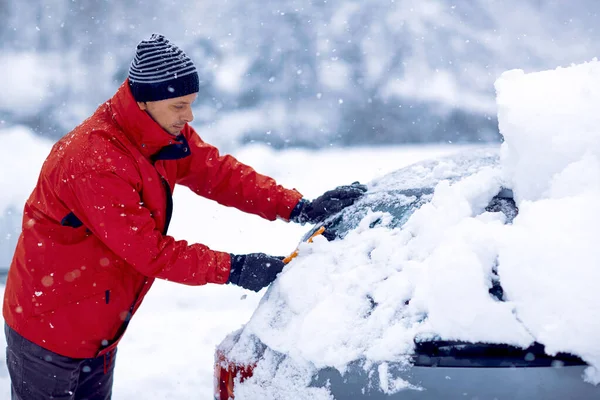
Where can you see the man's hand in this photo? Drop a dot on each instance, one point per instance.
(254, 271)
(328, 204)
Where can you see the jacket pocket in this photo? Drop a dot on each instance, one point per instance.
(66, 294)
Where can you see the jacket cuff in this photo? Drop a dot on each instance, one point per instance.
(289, 201)
(222, 270)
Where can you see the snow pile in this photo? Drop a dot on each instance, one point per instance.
(371, 295)
(549, 258)
(550, 124)
(22, 155)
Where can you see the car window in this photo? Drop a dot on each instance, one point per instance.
(399, 204)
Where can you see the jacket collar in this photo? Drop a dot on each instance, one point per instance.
(152, 140)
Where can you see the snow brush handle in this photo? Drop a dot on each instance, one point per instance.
(289, 258)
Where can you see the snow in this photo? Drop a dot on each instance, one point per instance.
(551, 130)
(549, 258)
(390, 384)
(23, 153)
(442, 259)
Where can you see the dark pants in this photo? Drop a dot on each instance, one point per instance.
(37, 373)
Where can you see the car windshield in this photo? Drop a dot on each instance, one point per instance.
(399, 204)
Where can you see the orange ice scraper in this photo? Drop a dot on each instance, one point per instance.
(310, 239)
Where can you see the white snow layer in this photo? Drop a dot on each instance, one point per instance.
(318, 311)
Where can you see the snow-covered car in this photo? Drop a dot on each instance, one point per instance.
(369, 340)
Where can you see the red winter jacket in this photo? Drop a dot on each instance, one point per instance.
(94, 229)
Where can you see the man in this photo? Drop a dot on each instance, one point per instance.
(94, 228)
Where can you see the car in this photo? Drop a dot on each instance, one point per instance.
(435, 367)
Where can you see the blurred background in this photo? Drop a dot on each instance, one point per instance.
(291, 73)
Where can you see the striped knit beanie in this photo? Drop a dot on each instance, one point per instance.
(160, 70)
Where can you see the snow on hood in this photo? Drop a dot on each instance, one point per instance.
(371, 295)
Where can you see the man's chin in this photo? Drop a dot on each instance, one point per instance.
(174, 131)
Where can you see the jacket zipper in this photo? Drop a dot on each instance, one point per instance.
(168, 215)
(169, 198)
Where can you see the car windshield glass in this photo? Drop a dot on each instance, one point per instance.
(399, 204)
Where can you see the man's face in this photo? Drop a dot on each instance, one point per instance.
(171, 114)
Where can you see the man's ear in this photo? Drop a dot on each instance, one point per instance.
(142, 105)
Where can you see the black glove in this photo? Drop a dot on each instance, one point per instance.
(254, 271)
(329, 203)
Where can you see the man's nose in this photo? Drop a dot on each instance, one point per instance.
(189, 115)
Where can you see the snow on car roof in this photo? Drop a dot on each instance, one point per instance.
(371, 295)
(427, 174)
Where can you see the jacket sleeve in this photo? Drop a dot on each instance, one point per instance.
(110, 207)
(231, 183)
